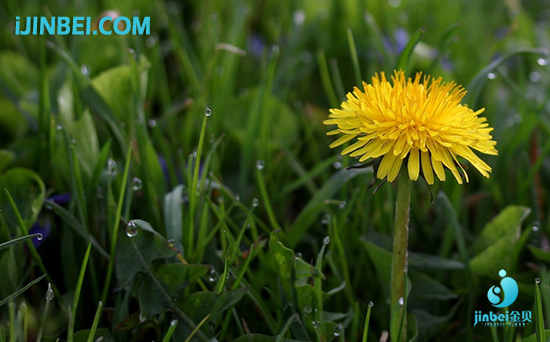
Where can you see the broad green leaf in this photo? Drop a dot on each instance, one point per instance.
(150, 246)
(5, 158)
(283, 258)
(87, 147)
(426, 288)
(173, 277)
(115, 87)
(200, 304)
(261, 338)
(495, 244)
(102, 334)
(27, 191)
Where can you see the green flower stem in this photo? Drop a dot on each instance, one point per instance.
(400, 245)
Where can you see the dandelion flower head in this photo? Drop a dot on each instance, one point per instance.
(419, 121)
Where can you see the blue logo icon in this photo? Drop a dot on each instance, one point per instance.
(504, 295)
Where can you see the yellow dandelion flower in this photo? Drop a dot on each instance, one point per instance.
(419, 121)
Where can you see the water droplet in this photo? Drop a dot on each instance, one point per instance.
(325, 220)
(537, 280)
(185, 199)
(542, 61)
(371, 304)
(307, 309)
(255, 202)
(326, 240)
(132, 53)
(73, 142)
(491, 76)
(211, 280)
(131, 229)
(220, 199)
(316, 324)
(298, 255)
(142, 317)
(534, 77)
(48, 207)
(394, 3)
(174, 322)
(401, 301)
(338, 329)
(49, 293)
(237, 198)
(40, 237)
(337, 165)
(536, 226)
(171, 241)
(85, 70)
(111, 166)
(152, 123)
(137, 184)
(212, 138)
(342, 205)
(299, 17)
(59, 127)
(260, 164)
(208, 111)
(151, 41)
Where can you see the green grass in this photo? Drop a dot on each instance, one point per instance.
(249, 228)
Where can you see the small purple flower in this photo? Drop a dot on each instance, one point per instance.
(256, 45)
(61, 199)
(401, 39)
(38, 228)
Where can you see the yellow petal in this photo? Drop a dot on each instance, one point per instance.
(342, 140)
(385, 165)
(414, 164)
(427, 167)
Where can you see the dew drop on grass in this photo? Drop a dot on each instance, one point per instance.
(337, 165)
(49, 293)
(237, 198)
(174, 322)
(255, 202)
(132, 53)
(371, 304)
(208, 111)
(152, 123)
(542, 61)
(260, 164)
(131, 229)
(534, 77)
(325, 220)
(537, 280)
(401, 301)
(220, 200)
(137, 184)
(59, 127)
(338, 329)
(536, 226)
(40, 237)
(111, 166)
(171, 241)
(342, 205)
(491, 76)
(85, 70)
(73, 142)
(316, 324)
(326, 240)
(307, 309)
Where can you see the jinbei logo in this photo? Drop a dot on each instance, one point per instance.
(501, 297)
(504, 295)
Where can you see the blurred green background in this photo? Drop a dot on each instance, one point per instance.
(96, 131)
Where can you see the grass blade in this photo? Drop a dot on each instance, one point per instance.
(96, 322)
(404, 59)
(21, 290)
(20, 239)
(116, 225)
(170, 332)
(78, 289)
(354, 59)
